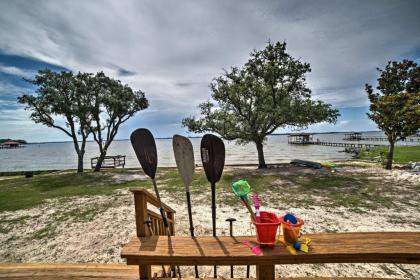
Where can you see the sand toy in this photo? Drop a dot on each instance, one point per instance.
(241, 189)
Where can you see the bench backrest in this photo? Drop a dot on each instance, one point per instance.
(143, 200)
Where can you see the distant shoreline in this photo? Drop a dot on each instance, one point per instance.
(192, 137)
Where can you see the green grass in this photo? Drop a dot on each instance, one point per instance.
(20, 193)
(46, 232)
(402, 154)
(299, 189)
(304, 190)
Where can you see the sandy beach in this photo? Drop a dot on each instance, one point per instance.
(48, 233)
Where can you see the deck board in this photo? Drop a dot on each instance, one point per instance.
(40, 271)
(390, 247)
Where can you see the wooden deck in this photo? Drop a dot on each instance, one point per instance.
(37, 271)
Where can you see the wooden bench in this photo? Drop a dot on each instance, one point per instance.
(146, 251)
(109, 161)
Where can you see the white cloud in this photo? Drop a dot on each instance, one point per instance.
(171, 41)
(172, 49)
(16, 71)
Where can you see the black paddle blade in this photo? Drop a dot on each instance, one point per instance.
(213, 157)
(145, 147)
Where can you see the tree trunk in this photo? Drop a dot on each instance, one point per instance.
(80, 162)
(390, 156)
(260, 150)
(100, 161)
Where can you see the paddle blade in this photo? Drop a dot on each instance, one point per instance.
(213, 157)
(145, 147)
(184, 157)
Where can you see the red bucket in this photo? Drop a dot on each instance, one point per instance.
(267, 228)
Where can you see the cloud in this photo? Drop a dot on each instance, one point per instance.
(11, 70)
(10, 92)
(172, 50)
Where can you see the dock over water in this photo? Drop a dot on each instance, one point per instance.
(307, 139)
(337, 144)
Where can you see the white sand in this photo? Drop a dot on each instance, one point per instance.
(101, 238)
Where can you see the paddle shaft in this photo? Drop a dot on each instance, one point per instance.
(162, 211)
(213, 216)
(191, 225)
(213, 207)
(231, 234)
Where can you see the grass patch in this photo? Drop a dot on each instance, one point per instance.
(297, 189)
(77, 215)
(46, 232)
(21, 193)
(402, 154)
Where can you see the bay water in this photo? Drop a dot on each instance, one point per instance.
(58, 156)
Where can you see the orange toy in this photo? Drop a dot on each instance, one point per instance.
(291, 231)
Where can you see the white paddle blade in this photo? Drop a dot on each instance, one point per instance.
(184, 157)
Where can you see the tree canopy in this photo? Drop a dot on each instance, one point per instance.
(81, 105)
(395, 106)
(112, 104)
(252, 101)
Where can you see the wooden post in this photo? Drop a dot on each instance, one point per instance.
(140, 205)
(170, 216)
(265, 272)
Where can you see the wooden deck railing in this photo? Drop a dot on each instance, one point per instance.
(141, 200)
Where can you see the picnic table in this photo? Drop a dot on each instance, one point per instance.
(369, 247)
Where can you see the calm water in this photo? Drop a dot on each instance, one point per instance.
(62, 155)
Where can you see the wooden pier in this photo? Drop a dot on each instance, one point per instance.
(338, 144)
(384, 139)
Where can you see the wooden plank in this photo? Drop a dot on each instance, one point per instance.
(391, 247)
(151, 199)
(41, 271)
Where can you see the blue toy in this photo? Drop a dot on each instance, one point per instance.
(290, 218)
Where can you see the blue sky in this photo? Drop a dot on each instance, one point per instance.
(172, 50)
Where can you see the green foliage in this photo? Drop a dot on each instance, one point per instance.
(267, 93)
(395, 108)
(88, 103)
(112, 104)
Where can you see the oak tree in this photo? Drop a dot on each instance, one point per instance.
(395, 107)
(60, 102)
(252, 101)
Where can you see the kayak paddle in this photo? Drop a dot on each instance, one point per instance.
(145, 147)
(184, 157)
(212, 151)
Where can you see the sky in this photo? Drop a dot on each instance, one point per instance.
(172, 50)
